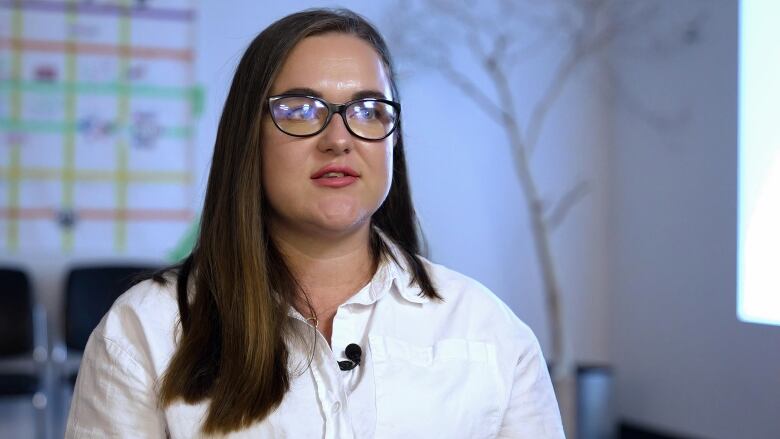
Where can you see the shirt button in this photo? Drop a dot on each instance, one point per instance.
(336, 407)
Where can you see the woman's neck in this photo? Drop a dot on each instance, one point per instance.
(330, 270)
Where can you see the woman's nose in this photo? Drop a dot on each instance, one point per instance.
(336, 138)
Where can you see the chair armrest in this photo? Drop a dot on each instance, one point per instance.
(65, 361)
(40, 335)
(22, 364)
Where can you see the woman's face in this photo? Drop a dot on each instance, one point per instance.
(338, 68)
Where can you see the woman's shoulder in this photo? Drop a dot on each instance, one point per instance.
(149, 292)
(127, 353)
(468, 300)
(142, 322)
(148, 300)
(455, 286)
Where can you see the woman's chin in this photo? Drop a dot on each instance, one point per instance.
(341, 217)
(342, 225)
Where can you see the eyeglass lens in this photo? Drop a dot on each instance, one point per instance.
(303, 116)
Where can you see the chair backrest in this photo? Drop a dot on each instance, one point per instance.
(89, 294)
(16, 312)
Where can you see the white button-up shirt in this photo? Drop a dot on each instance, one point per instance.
(466, 367)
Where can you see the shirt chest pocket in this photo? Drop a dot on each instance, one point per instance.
(447, 390)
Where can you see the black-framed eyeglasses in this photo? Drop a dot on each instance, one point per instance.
(303, 116)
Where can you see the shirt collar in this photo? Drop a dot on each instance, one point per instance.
(392, 274)
(400, 272)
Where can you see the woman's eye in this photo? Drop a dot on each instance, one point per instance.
(301, 112)
(366, 113)
(288, 111)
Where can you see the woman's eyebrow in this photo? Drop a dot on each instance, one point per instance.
(302, 91)
(362, 94)
(369, 94)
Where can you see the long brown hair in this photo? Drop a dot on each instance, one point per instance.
(231, 349)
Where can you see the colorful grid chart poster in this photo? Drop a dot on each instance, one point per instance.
(97, 114)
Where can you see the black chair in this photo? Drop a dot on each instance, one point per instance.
(89, 293)
(23, 345)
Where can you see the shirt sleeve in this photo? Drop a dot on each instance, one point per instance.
(114, 395)
(532, 411)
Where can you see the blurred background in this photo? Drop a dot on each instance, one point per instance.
(581, 158)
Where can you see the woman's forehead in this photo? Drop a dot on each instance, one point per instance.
(333, 64)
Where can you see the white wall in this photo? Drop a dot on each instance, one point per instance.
(684, 362)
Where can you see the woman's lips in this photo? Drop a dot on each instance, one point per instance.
(335, 182)
(335, 176)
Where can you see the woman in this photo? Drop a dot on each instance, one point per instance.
(304, 310)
